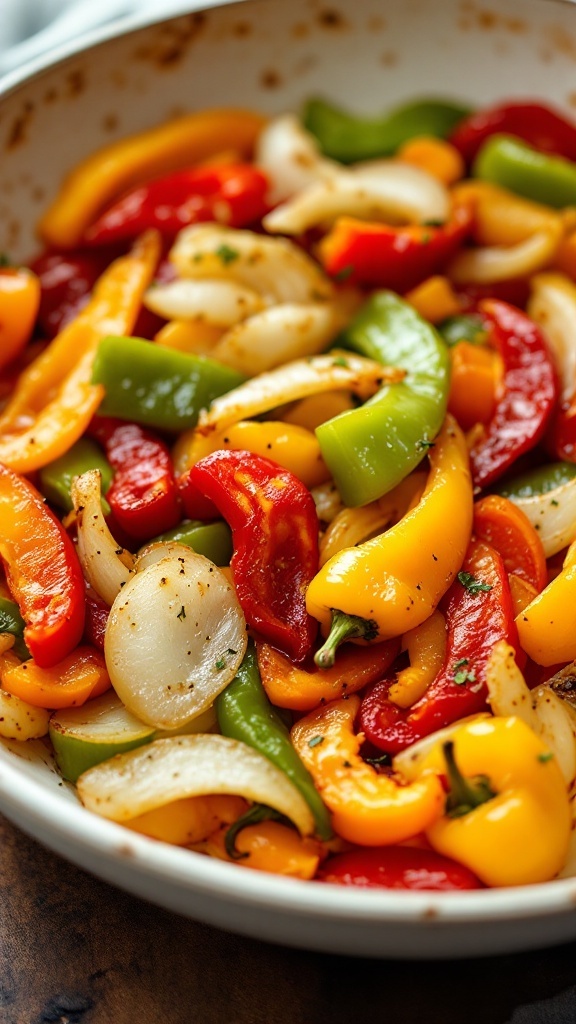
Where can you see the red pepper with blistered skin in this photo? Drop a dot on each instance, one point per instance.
(538, 125)
(232, 194)
(143, 495)
(397, 867)
(275, 537)
(42, 570)
(391, 257)
(528, 392)
(479, 613)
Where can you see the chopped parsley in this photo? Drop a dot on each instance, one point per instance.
(227, 254)
(471, 584)
(315, 741)
(545, 756)
(461, 674)
(220, 664)
(340, 361)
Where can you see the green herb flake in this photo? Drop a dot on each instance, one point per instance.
(546, 756)
(181, 614)
(554, 502)
(220, 664)
(423, 445)
(471, 584)
(227, 254)
(340, 361)
(345, 273)
(315, 741)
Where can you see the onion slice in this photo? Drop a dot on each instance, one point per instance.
(553, 305)
(339, 371)
(222, 303)
(184, 766)
(290, 157)
(106, 565)
(275, 268)
(175, 637)
(20, 720)
(491, 264)
(553, 515)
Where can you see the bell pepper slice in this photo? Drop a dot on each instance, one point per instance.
(383, 256)
(68, 683)
(66, 281)
(213, 540)
(408, 414)
(476, 371)
(397, 867)
(107, 173)
(479, 613)
(347, 138)
(19, 301)
(155, 386)
(56, 478)
(505, 527)
(42, 570)
(12, 622)
(233, 194)
(538, 125)
(546, 626)
(143, 495)
(529, 392)
(538, 481)
(275, 536)
(54, 396)
(393, 582)
(367, 808)
(552, 306)
(507, 161)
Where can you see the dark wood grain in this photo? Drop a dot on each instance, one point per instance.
(74, 950)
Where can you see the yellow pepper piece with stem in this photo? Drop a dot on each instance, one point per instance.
(54, 399)
(392, 583)
(426, 646)
(103, 175)
(546, 626)
(507, 814)
(367, 808)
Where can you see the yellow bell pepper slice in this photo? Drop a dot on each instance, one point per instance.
(426, 646)
(54, 399)
(546, 626)
(112, 169)
(392, 583)
(367, 808)
(19, 301)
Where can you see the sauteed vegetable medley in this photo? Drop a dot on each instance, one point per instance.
(288, 491)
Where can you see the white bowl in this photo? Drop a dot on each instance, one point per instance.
(272, 55)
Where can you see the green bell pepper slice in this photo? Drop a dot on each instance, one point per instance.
(538, 481)
(56, 478)
(348, 138)
(369, 450)
(157, 386)
(213, 540)
(245, 713)
(12, 622)
(515, 165)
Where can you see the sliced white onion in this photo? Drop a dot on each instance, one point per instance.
(385, 191)
(553, 305)
(290, 157)
(107, 565)
(173, 769)
(277, 336)
(541, 709)
(175, 638)
(553, 516)
(501, 263)
(274, 267)
(222, 303)
(328, 501)
(20, 720)
(339, 371)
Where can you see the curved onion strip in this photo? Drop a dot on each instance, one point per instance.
(274, 267)
(553, 515)
(501, 263)
(174, 769)
(385, 191)
(277, 336)
(175, 638)
(290, 157)
(222, 303)
(328, 501)
(408, 761)
(541, 709)
(20, 720)
(553, 305)
(339, 371)
(106, 565)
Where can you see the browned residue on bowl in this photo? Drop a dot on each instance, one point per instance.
(270, 79)
(389, 58)
(17, 131)
(430, 914)
(110, 122)
(242, 29)
(376, 24)
(75, 82)
(300, 30)
(172, 41)
(561, 42)
(331, 19)
(487, 19)
(125, 850)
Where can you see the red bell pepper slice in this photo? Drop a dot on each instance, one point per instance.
(97, 612)
(195, 504)
(232, 194)
(42, 570)
(143, 495)
(529, 392)
(391, 257)
(538, 125)
(275, 537)
(66, 280)
(397, 867)
(479, 613)
(506, 527)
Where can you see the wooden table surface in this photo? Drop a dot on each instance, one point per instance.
(74, 950)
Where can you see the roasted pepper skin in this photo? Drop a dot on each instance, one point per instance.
(42, 570)
(529, 392)
(245, 713)
(371, 449)
(475, 623)
(275, 536)
(367, 808)
(520, 836)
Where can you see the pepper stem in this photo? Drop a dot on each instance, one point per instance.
(254, 815)
(464, 794)
(344, 627)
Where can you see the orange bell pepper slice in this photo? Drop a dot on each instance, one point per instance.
(19, 302)
(474, 379)
(506, 527)
(67, 684)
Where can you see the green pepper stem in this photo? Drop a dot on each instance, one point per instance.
(464, 794)
(344, 627)
(254, 815)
